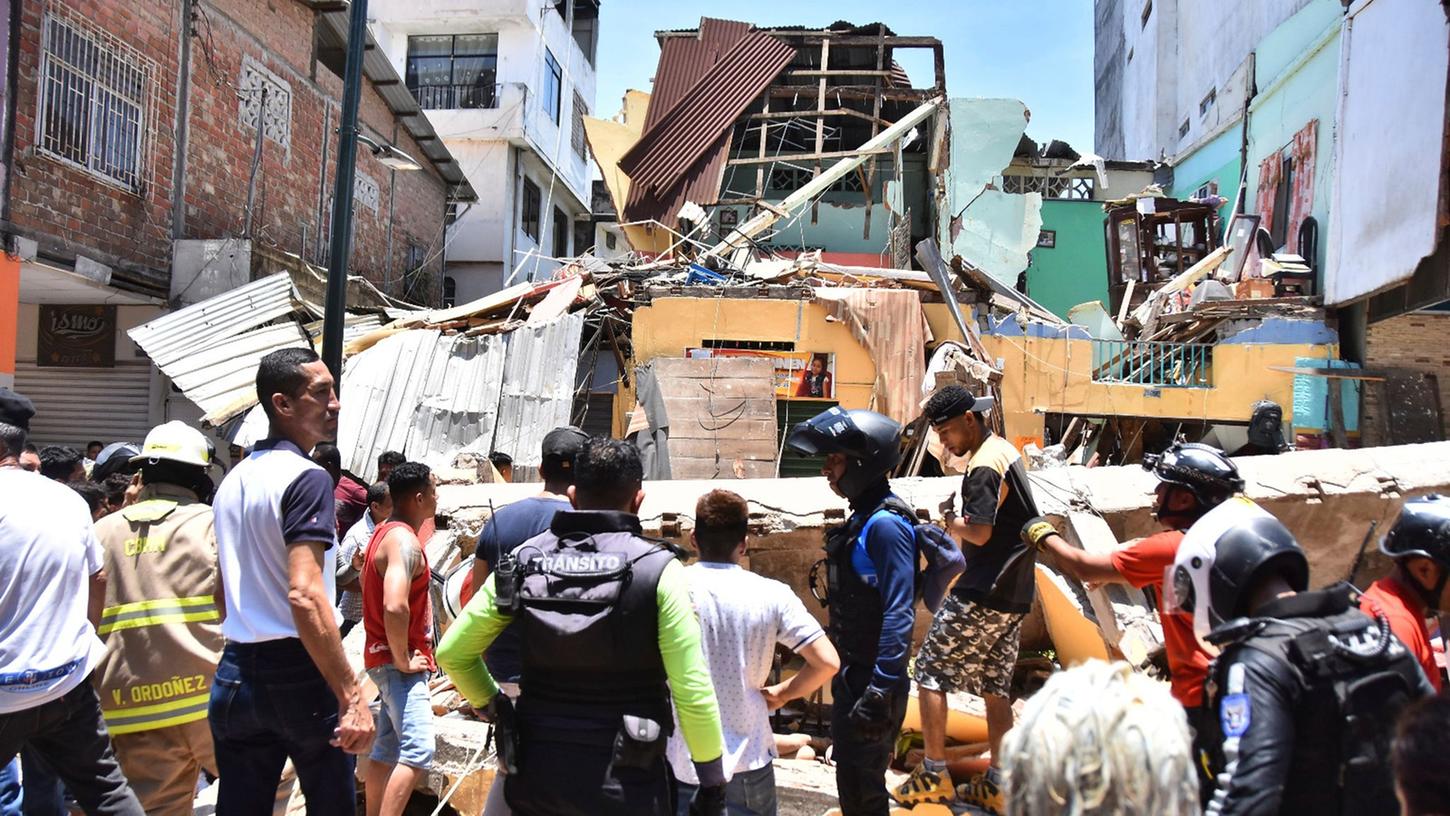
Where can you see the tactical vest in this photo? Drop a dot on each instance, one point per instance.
(590, 627)
(1354, 685)
(854, 606)
(160, 624)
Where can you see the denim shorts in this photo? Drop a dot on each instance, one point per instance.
(405, 721)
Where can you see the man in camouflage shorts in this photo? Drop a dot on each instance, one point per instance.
(972, 643)
(969, 648)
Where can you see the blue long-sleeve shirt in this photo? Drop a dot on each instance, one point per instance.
(885, 557)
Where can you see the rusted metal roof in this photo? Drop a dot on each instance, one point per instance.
(702, 85)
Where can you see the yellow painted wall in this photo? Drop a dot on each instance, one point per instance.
(1040, 375)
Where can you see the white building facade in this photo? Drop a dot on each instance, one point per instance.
(506, 84)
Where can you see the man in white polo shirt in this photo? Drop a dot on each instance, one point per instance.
(284, 688)
(52, 588)
(742, 618)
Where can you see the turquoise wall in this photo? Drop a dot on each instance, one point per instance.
(1076, 270)
(1297, 72)
(1217, 160)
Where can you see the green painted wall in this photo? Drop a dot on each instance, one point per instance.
(1076, 270)
(1298, 77)
(1217, 160)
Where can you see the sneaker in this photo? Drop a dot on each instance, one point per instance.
(982, 792)
(924, 786)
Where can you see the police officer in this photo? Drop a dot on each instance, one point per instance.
(1307, 688)
(606, 621)
(871, 569)
(161, 624)
(1419, 584)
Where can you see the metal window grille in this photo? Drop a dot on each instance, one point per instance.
(97, 101)
(1066, 187)
(1153, 363)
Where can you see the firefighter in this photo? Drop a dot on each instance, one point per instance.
(162, 622)
(1307, 688)
(871, 572)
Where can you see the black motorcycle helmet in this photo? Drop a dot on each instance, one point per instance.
(1423, 530)
(1203, 470)
(870, 441)
(1212, 579)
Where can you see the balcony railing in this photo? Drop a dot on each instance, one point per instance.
(455, 97)
(1145, 362)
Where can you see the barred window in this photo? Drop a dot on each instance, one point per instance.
(97, 100)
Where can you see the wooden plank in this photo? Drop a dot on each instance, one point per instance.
(740, 429)
(1127, 299)
(715, 415)
(716, 368)
(758, 448)
(723, 469)
(718, 388)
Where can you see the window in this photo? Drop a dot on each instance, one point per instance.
(576, 136)
(1206, 104)
(529, 217)
(450, 291)
(561, 234)
(259, 89)
(583, 236)
(1147, 12)
(1064, 187)
(452, 71)
(1283, 196)
(610, 241)
(1183, 128)
(96, 101)
(553, 86)
(586, 24)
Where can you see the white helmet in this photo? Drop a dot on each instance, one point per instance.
(1189, 583)
(176, 441)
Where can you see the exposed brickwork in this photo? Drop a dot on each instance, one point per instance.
(80, 213)
(1416, 342)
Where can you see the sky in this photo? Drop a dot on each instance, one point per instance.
(1039, 52)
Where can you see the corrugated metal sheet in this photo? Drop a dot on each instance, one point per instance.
(210, 350)
(538, 386)
(62, 419)
(421, 392)
(171, 337)
(702, 85)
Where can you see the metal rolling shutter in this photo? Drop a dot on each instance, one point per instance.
(76, 405)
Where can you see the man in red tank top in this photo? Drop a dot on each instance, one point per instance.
(398, 621)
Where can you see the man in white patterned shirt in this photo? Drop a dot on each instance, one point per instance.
(742, 618)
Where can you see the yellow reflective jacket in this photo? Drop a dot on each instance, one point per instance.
(161, 624)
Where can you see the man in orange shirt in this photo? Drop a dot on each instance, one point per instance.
(1419, 584)
(1193, 479)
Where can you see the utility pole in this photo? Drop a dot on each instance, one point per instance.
(340, 246)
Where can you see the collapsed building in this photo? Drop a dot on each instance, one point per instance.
(799, 224)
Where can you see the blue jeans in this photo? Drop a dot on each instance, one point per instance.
(42, 792)
(405, 718)
(268, 703)
(10, 788)
(751, 793)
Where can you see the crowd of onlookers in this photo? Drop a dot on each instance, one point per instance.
(168, 624)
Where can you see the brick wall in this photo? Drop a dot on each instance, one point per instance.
(1415, 342)
(79, 212)
(237, 45)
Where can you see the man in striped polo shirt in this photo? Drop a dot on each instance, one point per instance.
(284, 688)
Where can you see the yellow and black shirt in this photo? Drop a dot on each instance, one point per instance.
(995, 491)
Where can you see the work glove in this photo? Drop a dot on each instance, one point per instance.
(872, 713)
(708, 801)
(1036, 530)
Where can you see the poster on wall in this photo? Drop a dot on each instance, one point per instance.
(798, 374)
(73, 336)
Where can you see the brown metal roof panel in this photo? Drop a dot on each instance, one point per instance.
(688, 130)
(683, 61)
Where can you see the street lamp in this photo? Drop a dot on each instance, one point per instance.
(390, 156)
